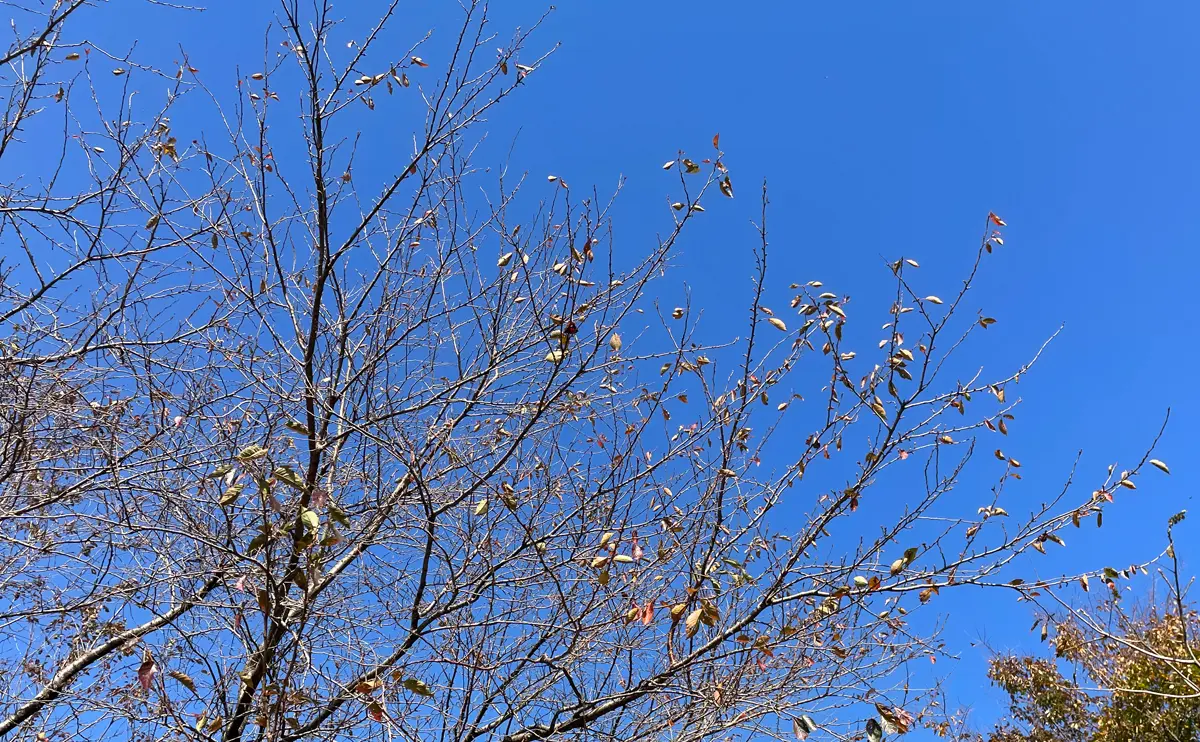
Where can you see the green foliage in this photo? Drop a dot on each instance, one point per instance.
(1125, 678)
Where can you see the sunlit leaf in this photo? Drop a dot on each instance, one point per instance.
(419, 687)
(146, 672)
(250, 453)
(183, 679)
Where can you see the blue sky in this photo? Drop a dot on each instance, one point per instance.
(892, 129)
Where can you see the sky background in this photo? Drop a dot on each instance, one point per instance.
(891, 129)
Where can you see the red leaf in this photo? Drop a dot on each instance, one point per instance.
(319, 498)
(716, 141)
(996, 220)
(146, 673)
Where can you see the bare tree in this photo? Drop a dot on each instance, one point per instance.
(286, 455)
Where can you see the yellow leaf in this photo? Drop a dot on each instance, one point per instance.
(777, 323)
(1160, 465)
(933, 300)
(503, 261)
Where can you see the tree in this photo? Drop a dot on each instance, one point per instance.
(286, 455)
(1133, 674)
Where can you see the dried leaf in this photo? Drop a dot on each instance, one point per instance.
(802, 726)
(1160, 465)
(183, 679)
(777, 323)
(146, 672)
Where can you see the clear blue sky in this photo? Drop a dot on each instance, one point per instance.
(888, 129)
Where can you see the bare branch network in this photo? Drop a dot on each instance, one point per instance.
(287, 456)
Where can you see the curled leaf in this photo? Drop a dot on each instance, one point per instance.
(417, 686)
(183, 679)
(146, 672)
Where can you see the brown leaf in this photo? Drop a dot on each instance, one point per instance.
(146, 672)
